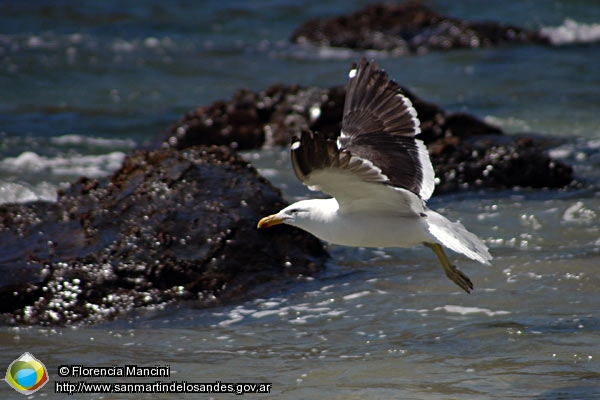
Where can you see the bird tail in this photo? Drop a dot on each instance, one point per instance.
(456, 237)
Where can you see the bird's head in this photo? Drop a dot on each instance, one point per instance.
(293, 214)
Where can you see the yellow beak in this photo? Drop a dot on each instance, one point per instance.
(269, 221)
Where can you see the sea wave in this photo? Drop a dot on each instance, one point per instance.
(31, 176)
(461, 310)
(21, 192)
(511, 124)
(74, 139)
(89, 165)
(571, 32)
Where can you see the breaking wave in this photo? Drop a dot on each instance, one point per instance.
(572, 32)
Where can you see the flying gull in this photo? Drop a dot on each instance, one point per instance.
(380, 177)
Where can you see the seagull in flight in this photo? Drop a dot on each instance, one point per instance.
(380, 177)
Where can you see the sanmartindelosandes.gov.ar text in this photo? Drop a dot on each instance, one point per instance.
(161, 387)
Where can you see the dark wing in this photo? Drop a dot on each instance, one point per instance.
(375, 104)
(380, 124)
(376, 163)
(356, 183)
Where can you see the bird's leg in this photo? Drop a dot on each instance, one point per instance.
(451, 271)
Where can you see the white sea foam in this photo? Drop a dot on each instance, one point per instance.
(19, 192)
(563, 151)
(572, 32)
(259, 308)
(73, 139)
(236, 315)
(269, 173)
(579, 213)
(72, 44)
(295, 314)
(356, 295)
(470, 310)
(583, 150)
(87, 165)
(267, 313)
(508, 123)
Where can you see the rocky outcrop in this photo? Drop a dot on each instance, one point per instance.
(466, 152)
(408, 28)
(250, 120)
(168, 225)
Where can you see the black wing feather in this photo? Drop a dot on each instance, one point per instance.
(396, 156)
(312, 152)
(380, 124)
(377, 142)
(374, 103)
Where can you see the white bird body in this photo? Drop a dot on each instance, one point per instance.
(324, 220)
(380, 177)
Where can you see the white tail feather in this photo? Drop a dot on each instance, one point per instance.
(456, 237)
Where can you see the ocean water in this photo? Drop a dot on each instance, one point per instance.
(83, 83)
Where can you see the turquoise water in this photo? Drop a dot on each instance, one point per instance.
(83, 84)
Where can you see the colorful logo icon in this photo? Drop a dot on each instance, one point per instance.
(26, 374)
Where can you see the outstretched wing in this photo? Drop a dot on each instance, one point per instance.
(380, 124)
(356, 183)
(376, 164)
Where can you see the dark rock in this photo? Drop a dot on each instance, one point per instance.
(236, 123)
(408, 28)
(464, 149)
(169, 225)
(490, 162)
(272, 116)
